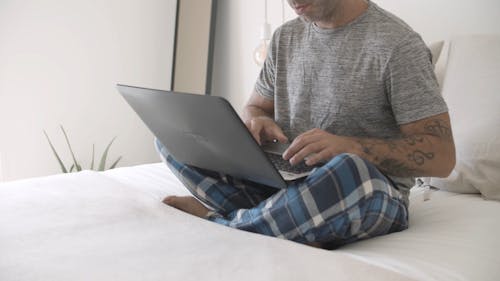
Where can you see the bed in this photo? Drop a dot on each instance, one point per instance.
(112, 225)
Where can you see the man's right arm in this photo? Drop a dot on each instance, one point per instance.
(258, 116)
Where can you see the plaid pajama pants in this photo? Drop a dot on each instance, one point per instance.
(345, 200)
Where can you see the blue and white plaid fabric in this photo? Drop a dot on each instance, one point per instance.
(345, 200)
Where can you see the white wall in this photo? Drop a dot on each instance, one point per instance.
(443, 19)
(239, 23)
(237, 35)
(59, 63)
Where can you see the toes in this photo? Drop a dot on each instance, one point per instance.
(187, 204)
(177, 201)
(170, 200)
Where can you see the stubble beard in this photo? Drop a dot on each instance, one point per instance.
(330, 12)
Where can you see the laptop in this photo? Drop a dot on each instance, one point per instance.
(206, 132)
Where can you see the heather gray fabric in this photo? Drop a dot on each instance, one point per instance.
(363, 79)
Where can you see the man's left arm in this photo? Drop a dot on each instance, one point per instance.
(426, 148)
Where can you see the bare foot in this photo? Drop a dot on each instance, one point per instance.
(187, 204)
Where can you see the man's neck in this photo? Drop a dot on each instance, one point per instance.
(346, 12)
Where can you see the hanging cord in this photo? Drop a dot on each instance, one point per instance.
(265, 11)
(266, 27)
(282, 11)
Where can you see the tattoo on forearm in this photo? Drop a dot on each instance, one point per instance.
(419, 157)
(396, 167)
(415, 158)
(409, 155)
(368, 146)
(414, 140)
(439, 129)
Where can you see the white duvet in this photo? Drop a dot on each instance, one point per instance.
(113, 226)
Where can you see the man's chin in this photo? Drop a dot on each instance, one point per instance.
(306, 18)
(309, 18)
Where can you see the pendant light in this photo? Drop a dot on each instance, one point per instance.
(260, 53)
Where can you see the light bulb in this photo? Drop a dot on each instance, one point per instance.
(260, 53)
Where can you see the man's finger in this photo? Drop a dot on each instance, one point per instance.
(255, 130)
(315, 158)
(297, 145)
(307, 151)
(279, 135)
(292, 150)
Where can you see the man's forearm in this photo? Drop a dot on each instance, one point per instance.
(257, 106)
(252, 111)
(415, 155)
(425, 148)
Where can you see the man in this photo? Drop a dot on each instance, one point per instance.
(352, 87)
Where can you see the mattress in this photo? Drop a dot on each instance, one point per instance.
(112, 226)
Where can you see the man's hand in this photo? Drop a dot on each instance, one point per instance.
(258, 117)
(316, 146)
(425, 149)
(265, 129)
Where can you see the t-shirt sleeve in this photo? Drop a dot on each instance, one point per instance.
(410, 82)
(267, 78)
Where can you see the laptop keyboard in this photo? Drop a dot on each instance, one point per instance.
(284, 165)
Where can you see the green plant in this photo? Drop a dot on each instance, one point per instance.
(76, 166)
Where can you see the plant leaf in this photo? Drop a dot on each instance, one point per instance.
(63, 168)
(115, 163)
(102, 164)
(77, 166)
(93, 153)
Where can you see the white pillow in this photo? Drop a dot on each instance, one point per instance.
(436, 48)
(472, 90)
(439, 51)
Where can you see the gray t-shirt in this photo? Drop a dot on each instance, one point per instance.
(363, 79)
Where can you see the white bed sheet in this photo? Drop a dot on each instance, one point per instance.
(113, 226)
